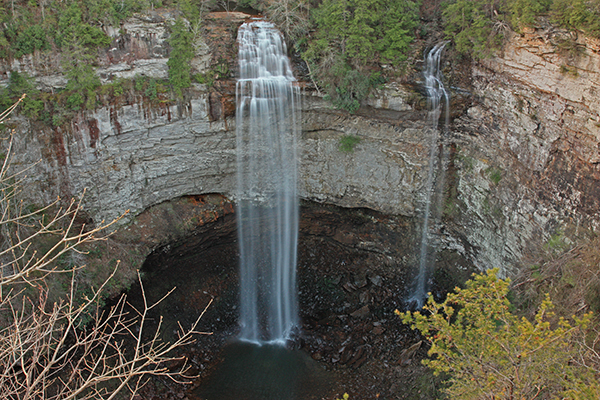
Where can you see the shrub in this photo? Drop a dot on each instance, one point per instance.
(348, 143)
(489, 352)
(31, 39)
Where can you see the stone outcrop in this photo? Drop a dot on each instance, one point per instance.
(386, 171)
(527, 151)
(139, 48)
(133, 157)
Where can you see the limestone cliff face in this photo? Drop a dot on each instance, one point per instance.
(133, 157)
(527, 153)
(523, 160)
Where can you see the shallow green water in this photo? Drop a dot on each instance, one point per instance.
(266, 372)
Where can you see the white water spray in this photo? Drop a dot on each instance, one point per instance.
(435, 94)
(267, 127)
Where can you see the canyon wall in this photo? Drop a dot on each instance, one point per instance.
(133, 157)
(522, 161)
(526, 157)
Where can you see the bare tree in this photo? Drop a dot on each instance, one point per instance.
(46, 350)
(291, 16)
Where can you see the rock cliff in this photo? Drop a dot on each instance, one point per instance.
(523, 159)
(527, 151)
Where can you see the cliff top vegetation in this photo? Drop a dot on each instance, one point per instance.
(350, 46)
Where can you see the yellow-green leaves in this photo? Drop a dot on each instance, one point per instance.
(491, 353)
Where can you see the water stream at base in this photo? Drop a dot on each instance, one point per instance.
(267, 129)
(435, 94)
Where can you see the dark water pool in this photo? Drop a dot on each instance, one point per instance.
(265, 372)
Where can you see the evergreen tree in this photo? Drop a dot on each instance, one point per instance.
(523, 12)
(182, 52)
(473, 25)
(352, 37)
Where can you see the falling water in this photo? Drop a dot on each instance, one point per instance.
(435, 94)
(267, 127)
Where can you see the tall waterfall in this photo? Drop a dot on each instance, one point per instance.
(435, 94)
(267, 127)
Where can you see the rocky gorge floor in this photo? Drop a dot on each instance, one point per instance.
(351, 278)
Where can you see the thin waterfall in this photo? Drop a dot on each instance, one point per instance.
(436, 93)
(267, 128)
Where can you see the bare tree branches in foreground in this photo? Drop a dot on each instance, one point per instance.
(49, 350)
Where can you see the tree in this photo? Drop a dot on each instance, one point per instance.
(577, 14)
(291, 16)
(364, 31)
(490, 353)
(475, 26)
(180, 57)
(351, 39)
(46, 350)
(523, 12)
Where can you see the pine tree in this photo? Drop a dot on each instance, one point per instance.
(180, 57)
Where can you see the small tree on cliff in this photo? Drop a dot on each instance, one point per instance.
(45, 350)
(490, 353)
(180, 57)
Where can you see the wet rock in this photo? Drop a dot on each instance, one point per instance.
(365, 297)
(362, 312)
(376, 280)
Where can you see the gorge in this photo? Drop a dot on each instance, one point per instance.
(523, 142)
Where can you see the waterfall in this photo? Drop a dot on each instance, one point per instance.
(435, 94)
(267, 119)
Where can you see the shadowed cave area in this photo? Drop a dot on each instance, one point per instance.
(354, 269)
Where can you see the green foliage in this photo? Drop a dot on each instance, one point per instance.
(557, 243)
(194, 10)
(18, 85)
(218, 71)
(491, 353)
(351, 38)
(82, 82)
(495, 174)
(115, 11)
(474, 25)
(364, 31)
(151, 90)
(523, 12)
(348, 87)
(577, 14)
(31, 39)
(477, 27)
(348, 143)
(180, 57)
(73, 30)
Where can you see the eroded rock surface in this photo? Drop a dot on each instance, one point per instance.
(527, 151)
